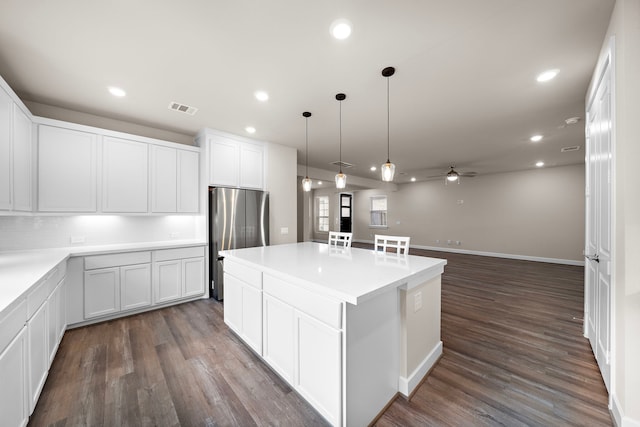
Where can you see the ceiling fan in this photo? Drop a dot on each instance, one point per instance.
(453, 175)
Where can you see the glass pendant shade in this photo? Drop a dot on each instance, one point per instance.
(341, 180)
(306, 184)
(388, 170)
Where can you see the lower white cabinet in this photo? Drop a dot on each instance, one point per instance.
(135, 286)
(38, 353)
(57, 321)
(101, 292)
(178, 273)
(318, 361)
(278, 342)
(243, 303)
(14, 385)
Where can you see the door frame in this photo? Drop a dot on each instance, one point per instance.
(340, 209)
(606, 63)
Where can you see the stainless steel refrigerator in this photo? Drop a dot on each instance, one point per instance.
(237, 219)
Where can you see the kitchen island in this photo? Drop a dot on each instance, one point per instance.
(349, 329)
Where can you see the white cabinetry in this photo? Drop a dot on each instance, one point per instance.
(235, 163)
(38, 354)
(278, 342)
(164, 179)
(116, 282)
(188, 181)
(15, 156)
(57, 322)
(66, 170)
(178, 273)
(124, 175)
(6, 107)
(13, 392)
(174, 177)
(243, 293)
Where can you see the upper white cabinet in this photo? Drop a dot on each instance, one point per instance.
(251, 166)
(22, 143)
(6, 105)
(66, 170)
(188, 181)
(164, 173)
(235, 163)
(15, 156)
(174, 178)
(124, 175)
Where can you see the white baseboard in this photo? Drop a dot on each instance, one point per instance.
(618, 417)
(491, 254)
(407, 385)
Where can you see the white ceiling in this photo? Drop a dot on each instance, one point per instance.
(464, 91)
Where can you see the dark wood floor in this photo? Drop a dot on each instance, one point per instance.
(514, 355)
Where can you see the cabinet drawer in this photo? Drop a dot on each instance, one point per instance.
(315, 305)
(11, 324)
(116, 260)
(179, 253)
(250, 276)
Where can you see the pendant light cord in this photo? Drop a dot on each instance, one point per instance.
(340, 158)
(306, 125)
(388, 133)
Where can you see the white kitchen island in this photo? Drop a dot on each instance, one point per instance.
(347, 328)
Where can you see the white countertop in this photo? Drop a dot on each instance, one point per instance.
(20, 270)
(352, 275)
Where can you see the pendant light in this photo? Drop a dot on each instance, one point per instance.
(388, 169)
(341, 179)
(306, 182)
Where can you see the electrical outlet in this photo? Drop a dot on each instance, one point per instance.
(417, 301)
(284, 230)
(449, 242)
(437, 240)
(77, 239)
(457, 242)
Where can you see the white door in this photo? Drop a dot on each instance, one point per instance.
(163, 179)
(598, 225)
(233, 303)
(38, 354)
(101, 292)
(167, 280)
(278, 327)
(13, 371)
(193, 277)
(124, 175)
(22, 131)
(6, 105)
(188, 179)
(135, 286)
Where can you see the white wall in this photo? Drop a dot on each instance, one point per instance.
(280, 178)
(39, 232)
(534, 213)
(625, 28)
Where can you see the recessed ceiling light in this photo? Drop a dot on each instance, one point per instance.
(373, 168)
(547, 75)
(116, 91)
(261, 95)
(540, 164)
(319, 182)
(250, 129)
(536, 138)
(413, 179)
(572, 120)
(340, 29)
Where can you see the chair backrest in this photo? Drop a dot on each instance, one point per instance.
(397, 244)
(340, 239)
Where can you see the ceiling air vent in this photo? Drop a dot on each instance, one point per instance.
(342, 164)
(567, 149)
(176, 106)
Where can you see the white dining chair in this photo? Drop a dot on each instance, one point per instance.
(340, 239)
(397, 244)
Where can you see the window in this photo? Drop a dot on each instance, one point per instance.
(322, 206)
(379, 211)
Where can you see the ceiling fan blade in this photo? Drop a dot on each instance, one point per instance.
(468, 174)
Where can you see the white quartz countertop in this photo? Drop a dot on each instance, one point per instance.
(20, 270)
(352, 275)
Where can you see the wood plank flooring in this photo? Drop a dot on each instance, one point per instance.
(514, 355)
